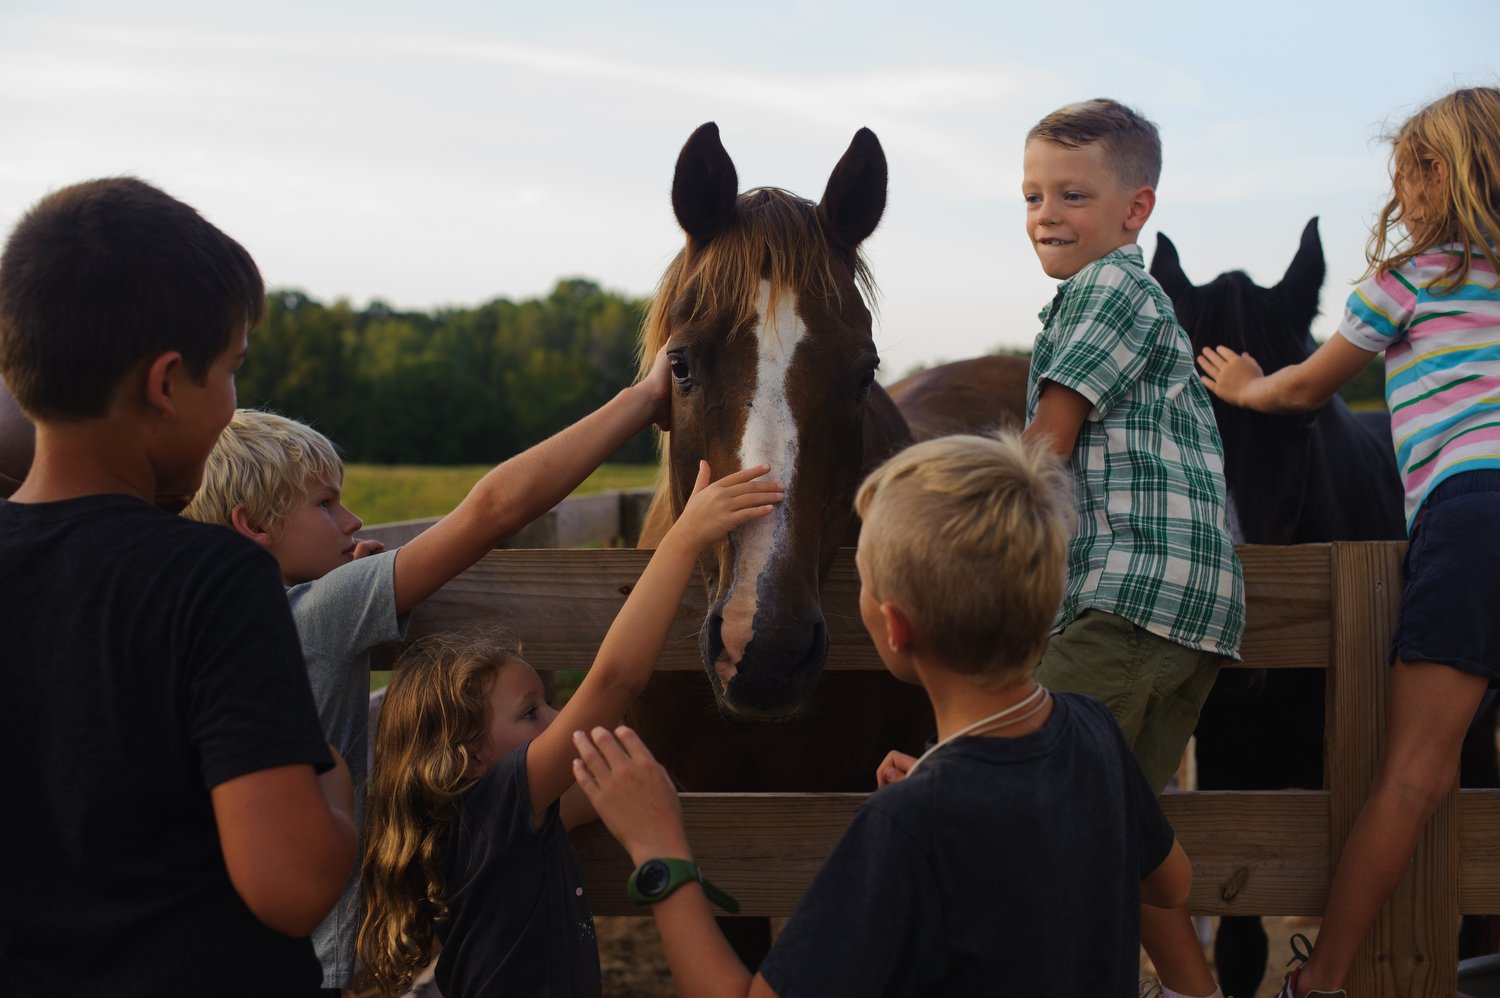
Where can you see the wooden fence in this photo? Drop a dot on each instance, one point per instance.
(1329, 606)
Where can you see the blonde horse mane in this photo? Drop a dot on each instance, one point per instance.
(775, 236)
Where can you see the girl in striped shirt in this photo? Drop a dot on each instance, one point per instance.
(1431, 302)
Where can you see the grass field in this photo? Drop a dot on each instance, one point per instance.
(387, 493)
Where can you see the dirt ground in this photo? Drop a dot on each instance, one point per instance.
(633, 965)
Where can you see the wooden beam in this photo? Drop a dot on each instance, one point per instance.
(1253, 853)
(1412, 950)
(562, 601)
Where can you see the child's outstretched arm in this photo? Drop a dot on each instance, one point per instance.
(629, 651)
(635, 797)
(524, 487)
(1237, 378)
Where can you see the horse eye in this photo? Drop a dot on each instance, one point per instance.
(865, 381)
(680, 369)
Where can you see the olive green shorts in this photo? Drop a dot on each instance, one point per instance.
(1154, 687)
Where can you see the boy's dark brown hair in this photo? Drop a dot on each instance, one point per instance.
(1131, 141)
(101, 275)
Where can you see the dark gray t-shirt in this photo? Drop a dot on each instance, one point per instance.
(519, 920)
(1001, 867)
(340, 617)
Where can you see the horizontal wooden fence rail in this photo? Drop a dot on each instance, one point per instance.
(562, 602)
(1328, 606)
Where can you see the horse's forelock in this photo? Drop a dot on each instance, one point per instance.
(775, 236)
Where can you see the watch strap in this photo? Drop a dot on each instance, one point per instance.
(680, 871)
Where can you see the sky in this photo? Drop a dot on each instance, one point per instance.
(448, 153)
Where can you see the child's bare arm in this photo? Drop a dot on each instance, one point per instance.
(1060, 412)
(1237, 379)
(575, 808)
(635, 797)
(288, 842)
(1168, 885)
(634, 641)
(524, 487)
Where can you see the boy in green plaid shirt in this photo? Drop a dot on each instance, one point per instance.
(1154, 602)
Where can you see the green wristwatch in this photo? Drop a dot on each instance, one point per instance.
(658, 877)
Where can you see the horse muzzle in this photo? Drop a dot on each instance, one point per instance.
(773, 677)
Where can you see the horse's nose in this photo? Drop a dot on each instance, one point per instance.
(773, 675)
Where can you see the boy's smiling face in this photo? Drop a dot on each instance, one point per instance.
(1077, 210)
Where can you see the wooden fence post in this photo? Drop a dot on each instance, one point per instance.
(1412, 950)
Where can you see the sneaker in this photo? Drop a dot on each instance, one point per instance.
(1301, 950)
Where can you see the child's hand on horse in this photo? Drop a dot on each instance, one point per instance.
(716, 508)
(1228, 374)
(631, 792)
(658, 381)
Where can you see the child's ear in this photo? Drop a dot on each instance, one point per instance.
(239, 518)
(899, 629)
(1142, 204)
(160, 376)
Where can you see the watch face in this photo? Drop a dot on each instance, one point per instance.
(652, 878)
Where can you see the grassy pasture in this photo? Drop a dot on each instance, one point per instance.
(388, 493)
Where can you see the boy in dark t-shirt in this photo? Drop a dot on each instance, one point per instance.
(163, 755)
(1013, 856)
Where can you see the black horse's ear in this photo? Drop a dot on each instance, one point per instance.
(1304, 278)
(704, 185)
(1167, 268)
(855, 197)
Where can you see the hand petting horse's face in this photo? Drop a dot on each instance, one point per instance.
(1319, 476)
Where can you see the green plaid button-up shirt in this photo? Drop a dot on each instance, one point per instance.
(1152, 544)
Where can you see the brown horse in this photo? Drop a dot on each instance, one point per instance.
(764, 318)
(964, 396)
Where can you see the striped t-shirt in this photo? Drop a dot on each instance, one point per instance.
(1442, 366)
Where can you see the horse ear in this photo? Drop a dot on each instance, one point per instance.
(704, 185)
(1304, 278)
(855, 197)
(1167, 268)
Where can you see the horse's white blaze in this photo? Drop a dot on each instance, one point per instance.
(770, 437)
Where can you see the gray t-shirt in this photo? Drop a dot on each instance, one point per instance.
(340, 617)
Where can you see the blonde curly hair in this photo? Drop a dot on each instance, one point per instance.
(434, 716)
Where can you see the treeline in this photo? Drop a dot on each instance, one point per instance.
(466, 385)
(456, 386)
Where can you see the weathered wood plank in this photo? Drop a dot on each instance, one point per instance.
(1287, 610)
(1253, 853)
(1410, 949)
(562, 602)
(1479, 852)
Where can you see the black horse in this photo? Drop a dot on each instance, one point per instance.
(1328, 475)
